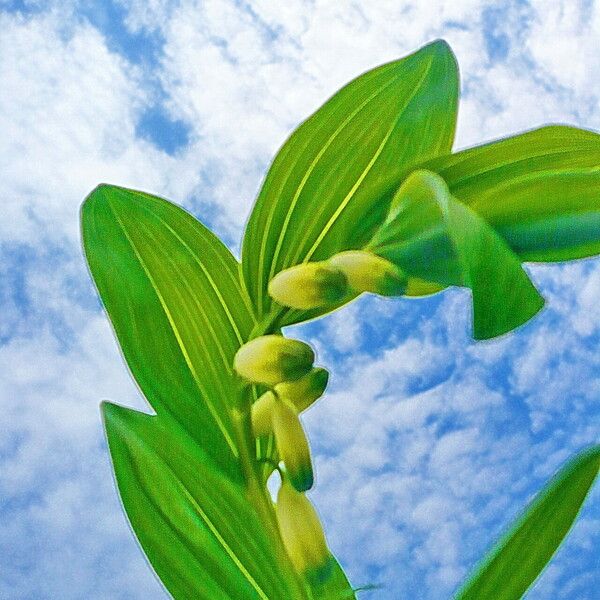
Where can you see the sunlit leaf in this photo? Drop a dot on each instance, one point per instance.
(198, 528)
(540, 190)
(435, 238)
(170, 288)
(330, 184)
(508, 571)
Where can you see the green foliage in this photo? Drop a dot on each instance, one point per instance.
(366, 195)
(434, 237)
(328, 187)
(540, 190)
(171, 290)
(198, 528)
(515, 563)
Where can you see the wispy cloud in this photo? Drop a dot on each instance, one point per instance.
(427, 444)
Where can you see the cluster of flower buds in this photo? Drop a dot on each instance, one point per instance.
(286, 366)
(319, 284)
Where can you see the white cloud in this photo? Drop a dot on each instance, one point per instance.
(63, 530)
(564, 41)
(342, 330)
(427, 443)
(68, 123)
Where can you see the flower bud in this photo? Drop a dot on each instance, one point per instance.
(307, 286)
(367, 272)
(304, 391)
(302, 534)
(261, 414)
(271, 359)
(292, 445)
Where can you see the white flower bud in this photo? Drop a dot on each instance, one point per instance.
(307, 286)
(292, 445)
(262, 414)
(367, 272)
(271, 359)
(302, 534)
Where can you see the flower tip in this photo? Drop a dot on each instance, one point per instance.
(320, 574)
(306, 390)
(302, 533)
(302, 479)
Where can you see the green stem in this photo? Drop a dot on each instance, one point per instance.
(257, 492)
(270, 323)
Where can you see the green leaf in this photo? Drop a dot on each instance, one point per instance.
(171, 290)
(433, 237)
(198, 528)
(508, 571)
(540, 190)
(187, 476)
(331, 183)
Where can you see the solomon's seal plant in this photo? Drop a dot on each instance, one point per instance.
(365, 196)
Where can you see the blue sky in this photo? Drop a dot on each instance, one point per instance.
(426, 444)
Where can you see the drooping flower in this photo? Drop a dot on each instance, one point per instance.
(292, 445)
(261, 414)
(271, 359)
(304, 391)
(310, 285)
(302, 533)
(367, 272)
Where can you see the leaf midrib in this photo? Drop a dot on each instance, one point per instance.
(232, 276)
(305, 178)
(211, 281)
(313, 165)
(461, 182)
(366, 171)
(207, 322)
(203, 516)
(178, 338)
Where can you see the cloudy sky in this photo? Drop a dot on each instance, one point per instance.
(427, 444)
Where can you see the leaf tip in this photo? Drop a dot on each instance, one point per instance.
(98, 192)
(441, 50)
(440, 46)
(111, 413)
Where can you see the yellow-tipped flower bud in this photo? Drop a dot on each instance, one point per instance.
(307, 286)
(271, 359)
(292, 445)
(302, 534)
(262, 414)
(304, 391)
(367, 272)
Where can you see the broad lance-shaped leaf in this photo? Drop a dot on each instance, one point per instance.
(329, 186)
(540, 190)
(171, 290)
(509, 570)
(197, 527)
(433, 237)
